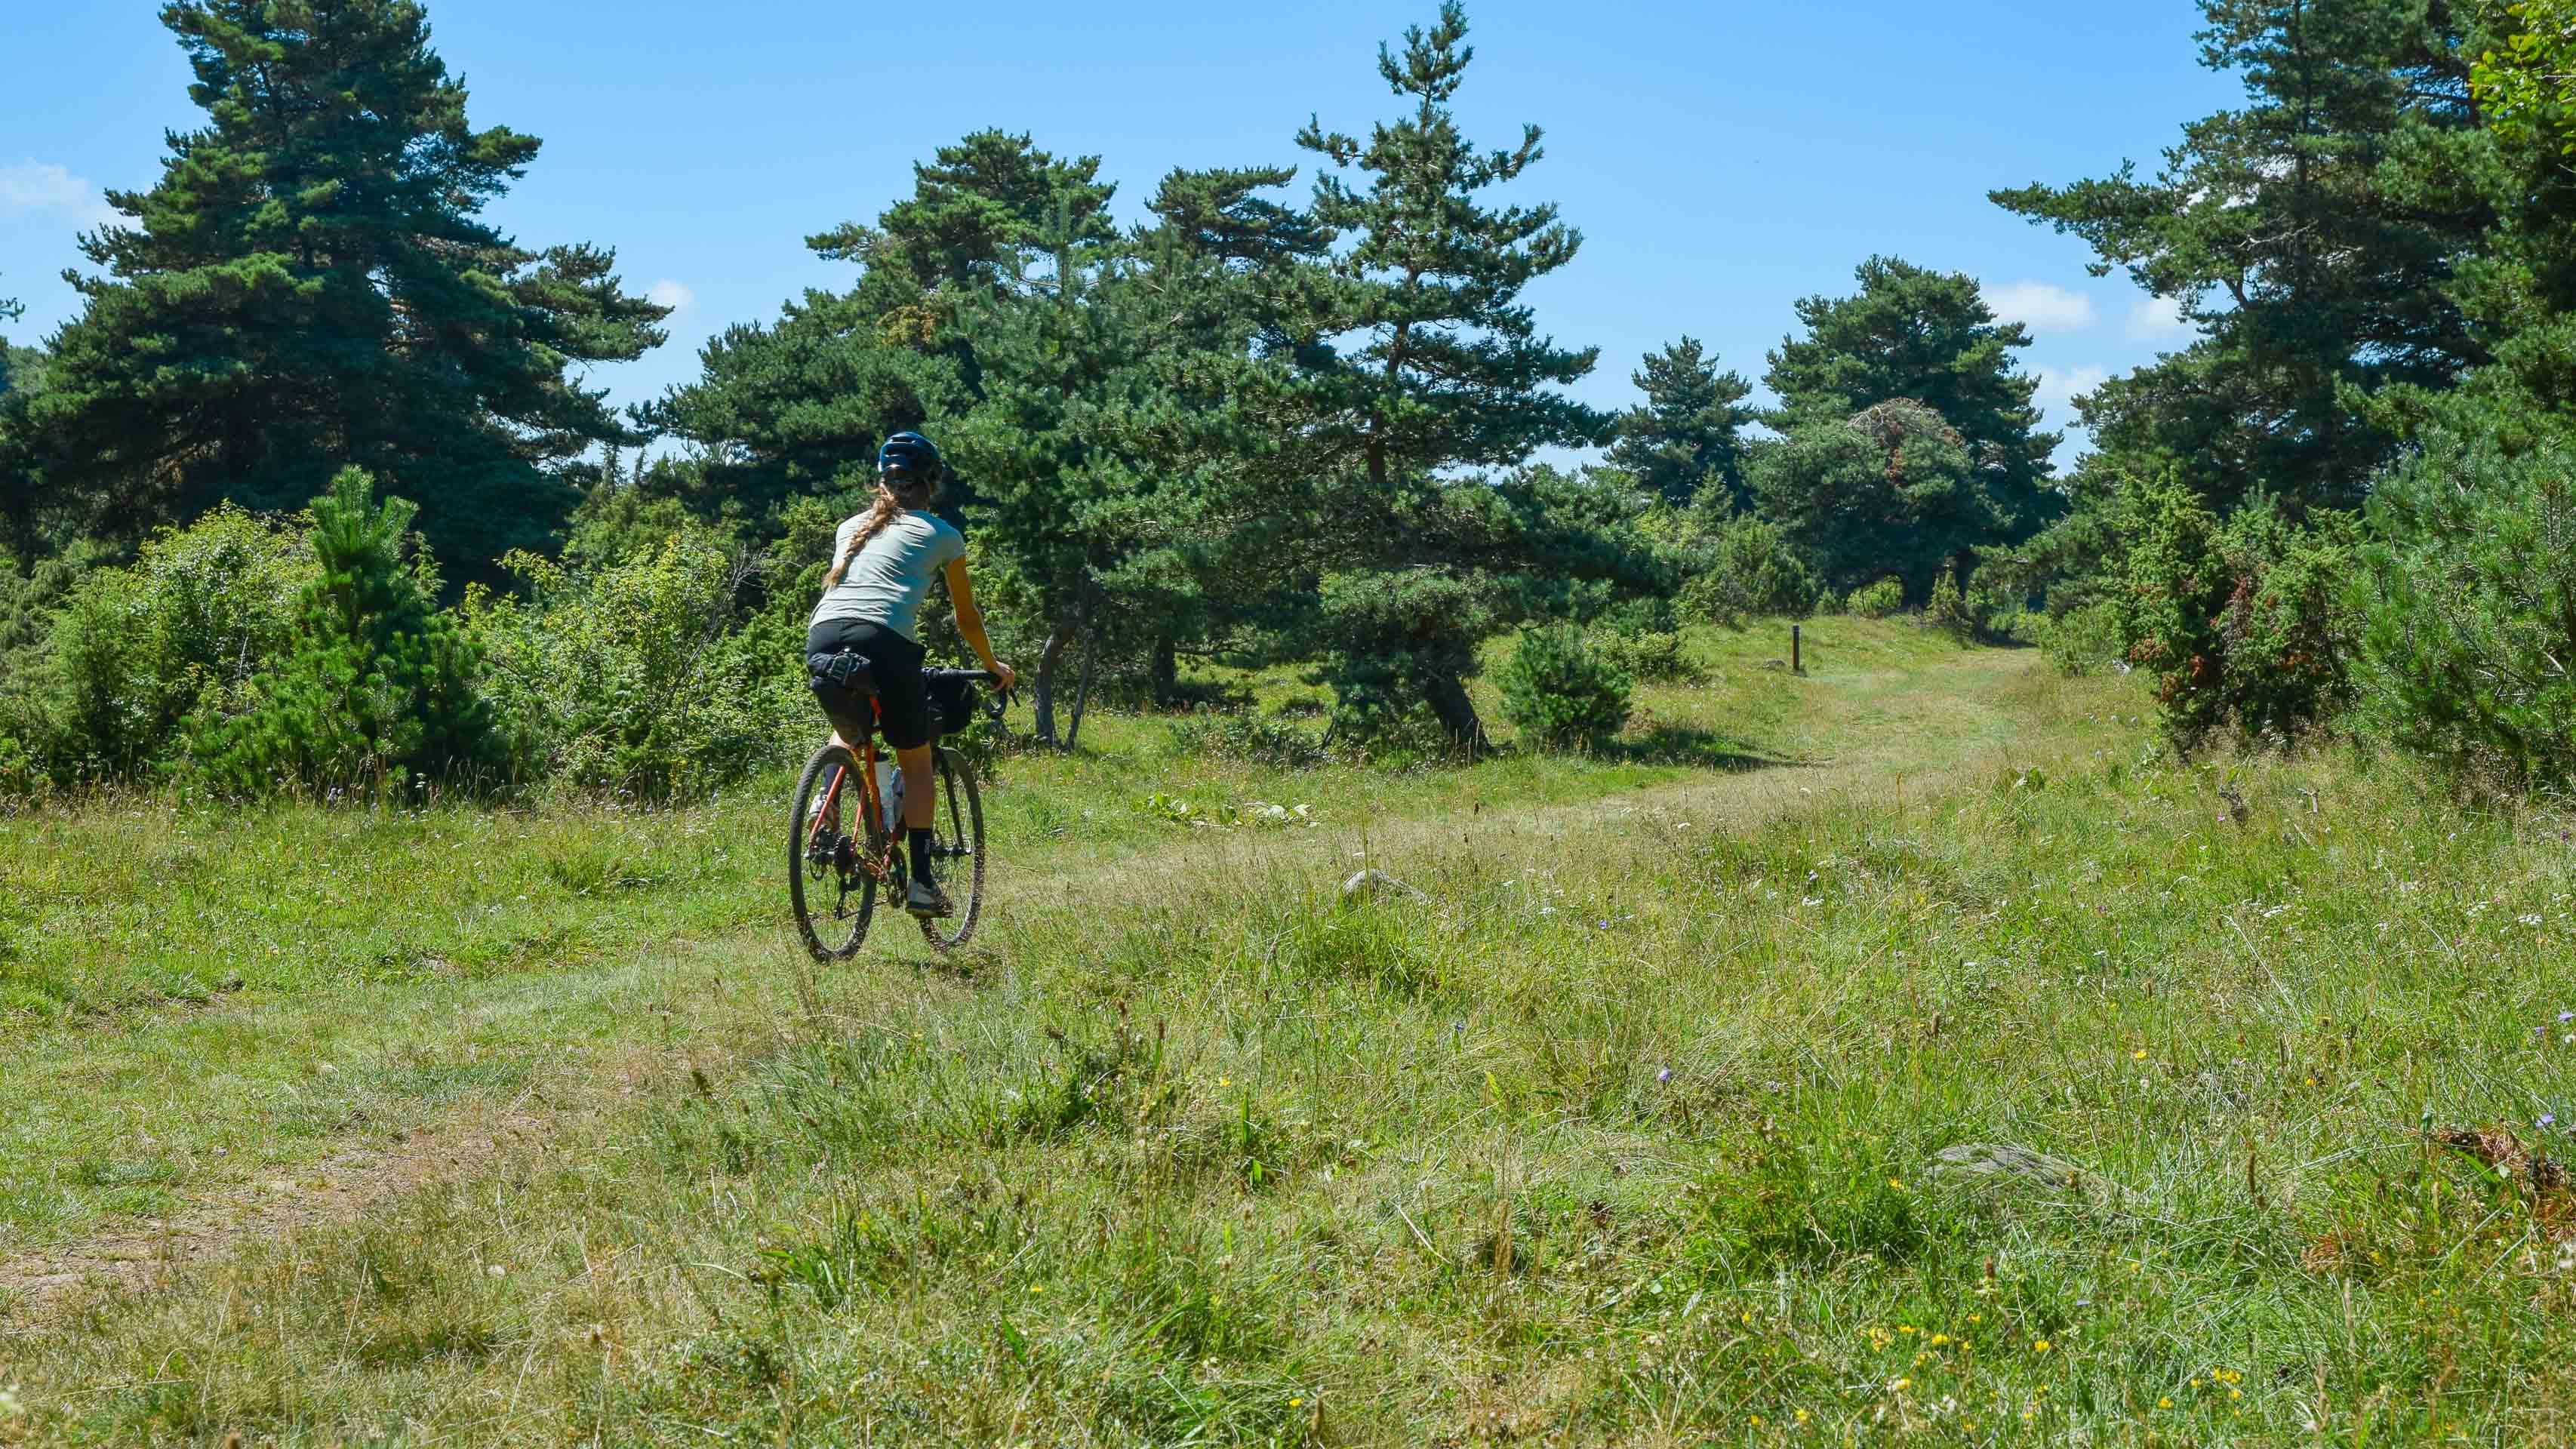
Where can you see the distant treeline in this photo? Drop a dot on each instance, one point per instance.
(1265, 427)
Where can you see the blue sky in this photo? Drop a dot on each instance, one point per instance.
(1722, 159)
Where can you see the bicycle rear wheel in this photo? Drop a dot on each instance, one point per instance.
(833, 895)
(957, 843)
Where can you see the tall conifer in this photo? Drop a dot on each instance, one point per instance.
(1929, 337)
(1416, 357)
(2312, 238)
(1687, 437)
(310, 285)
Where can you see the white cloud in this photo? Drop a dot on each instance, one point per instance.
(38, 186)
(2059, 387)
(2158, 319)
(2041, 307)
(667, 293)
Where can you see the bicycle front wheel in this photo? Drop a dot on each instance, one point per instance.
(957, 843)
(833, 894)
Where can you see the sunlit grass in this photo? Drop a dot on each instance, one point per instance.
(1622, 1135)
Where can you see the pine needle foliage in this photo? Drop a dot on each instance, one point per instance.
(377, 688)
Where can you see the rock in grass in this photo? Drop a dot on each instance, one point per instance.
(1994, 1167)
(1367, 883)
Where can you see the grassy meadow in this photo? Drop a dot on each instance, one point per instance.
(1624, 1127)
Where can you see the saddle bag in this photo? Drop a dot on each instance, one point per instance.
(842, 681)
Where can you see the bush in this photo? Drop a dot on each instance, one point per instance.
(1749, 567)
(2467, 602)
(1399, 649)
(2244, 623)
(377, 685)
(1999, 591)
(634, 676)
(2084, 640)
(1948, 609)
(1250, 738)
(1649, 657)
(131, 653)
(1880, 600)
(1562, 693)
(1640, 614)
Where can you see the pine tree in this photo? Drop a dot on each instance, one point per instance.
(795, 408)
(1893, 489)
(21, 493)
(977, 214)
(1928, 337)
(1448, 368)
(379, 685)
(1686, 438)
(1415, 356)
(2313, 237)
(310, 285)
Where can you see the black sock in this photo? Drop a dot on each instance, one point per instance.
(921, 855)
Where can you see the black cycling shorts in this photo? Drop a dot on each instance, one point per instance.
(903, 696)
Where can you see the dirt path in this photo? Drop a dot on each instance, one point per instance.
(1865, 735)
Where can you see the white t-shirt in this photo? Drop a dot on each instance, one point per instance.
(886, 583)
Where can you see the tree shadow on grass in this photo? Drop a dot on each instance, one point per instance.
(1671, 744)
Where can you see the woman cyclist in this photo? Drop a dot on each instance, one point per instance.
(882, 563)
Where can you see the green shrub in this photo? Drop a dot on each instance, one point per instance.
(376, 686)
(2244, 624)
(2467, 601)
(1880, 600)
(1640, 614)
(636, 675)
(1399, 648)
(1649, 657)
(1749, 567)
(1948, 609)
(2027, 627)
(1250, 738)
(1562, 693)
(2000, 591)
(131, 653)
(22, 774)
(2083, 640)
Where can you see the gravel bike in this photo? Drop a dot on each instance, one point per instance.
(844, 829)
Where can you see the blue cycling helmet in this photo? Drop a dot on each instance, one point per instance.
(909, 452)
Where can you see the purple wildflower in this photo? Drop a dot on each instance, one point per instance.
(2547, 1118)
(1665, 1075)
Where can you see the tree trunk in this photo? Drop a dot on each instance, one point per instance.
(1043, 695)
(1447, 695)
(1167, 672)
(1082, 691)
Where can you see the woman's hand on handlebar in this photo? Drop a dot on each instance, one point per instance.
(1003, 675)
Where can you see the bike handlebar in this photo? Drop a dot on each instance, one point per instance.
(1001, 697)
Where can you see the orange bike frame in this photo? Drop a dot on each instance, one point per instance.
(869, 801)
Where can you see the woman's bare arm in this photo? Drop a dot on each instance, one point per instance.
(970, 621)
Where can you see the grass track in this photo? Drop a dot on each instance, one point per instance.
(1619, 1138)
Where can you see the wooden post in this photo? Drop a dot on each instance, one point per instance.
(1797, 660)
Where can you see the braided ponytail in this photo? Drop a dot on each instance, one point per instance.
(896, 493)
